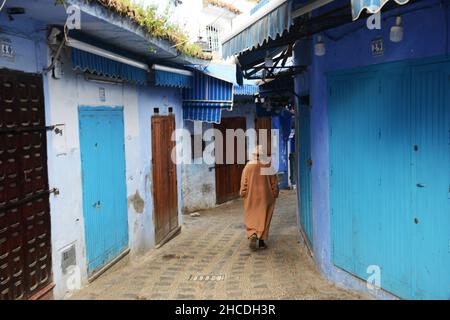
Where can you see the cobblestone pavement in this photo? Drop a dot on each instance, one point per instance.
(211, 259)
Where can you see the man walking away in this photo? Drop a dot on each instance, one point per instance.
(259, 189)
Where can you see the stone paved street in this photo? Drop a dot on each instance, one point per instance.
(211, 259)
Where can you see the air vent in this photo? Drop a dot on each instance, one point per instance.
(68, 258)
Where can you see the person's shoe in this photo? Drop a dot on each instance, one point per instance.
(262, 244)
(254, 242)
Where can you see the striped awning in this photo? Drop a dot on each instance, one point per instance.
(207, 97)
(205, 114)
(372, 6)
(172, 77)
(92, 63)
(245, 90)
(270, 21)
(169, 79)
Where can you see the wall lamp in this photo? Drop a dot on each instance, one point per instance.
(319, 47)
(397, 31)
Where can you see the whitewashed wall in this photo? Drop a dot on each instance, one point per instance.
(199, 181)
(62, 98)
(64, 152)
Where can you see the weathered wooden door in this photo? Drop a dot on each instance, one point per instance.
(228, 176)
(264, 123)
(25, 252)
(164, 177)
(102, 145)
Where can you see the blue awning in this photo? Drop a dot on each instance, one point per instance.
(372, 6)
(205, 114)
(227, 72)
(172, 77)
(169, 79)
(245, 90)
(207, 97)
(89, 62)
(269, 22)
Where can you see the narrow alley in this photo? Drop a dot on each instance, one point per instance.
(211, 259)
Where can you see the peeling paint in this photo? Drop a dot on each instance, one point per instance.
(137, 202)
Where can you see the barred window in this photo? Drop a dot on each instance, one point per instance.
(212, 37)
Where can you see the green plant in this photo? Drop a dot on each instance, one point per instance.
(155, 24)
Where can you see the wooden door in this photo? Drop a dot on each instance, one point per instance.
(25, 249)
(266, 124)
(164, 177)
(228, 176)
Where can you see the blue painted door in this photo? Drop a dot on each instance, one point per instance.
(304, 172)
(390, 175)
(104, 190)
(431, 160)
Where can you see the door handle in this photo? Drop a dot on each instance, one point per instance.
(97, 205)
(420, 185)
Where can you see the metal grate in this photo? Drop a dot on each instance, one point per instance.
(68, 258)
(212, 38)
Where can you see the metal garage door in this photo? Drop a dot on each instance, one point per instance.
(390, 175)
(25, 254)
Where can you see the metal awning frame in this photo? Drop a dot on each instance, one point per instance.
(305, 26)
(261, 71)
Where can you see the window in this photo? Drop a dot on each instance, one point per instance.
(212, 38)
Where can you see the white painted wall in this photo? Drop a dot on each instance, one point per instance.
(67, 214)
(199, 182)
(65, 172)
(62, 98)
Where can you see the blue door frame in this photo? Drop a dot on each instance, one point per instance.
(390, 175)
(102, 148)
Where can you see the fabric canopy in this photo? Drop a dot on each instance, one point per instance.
(205, 114)
(95, 64)
(245, 90)
(266, 24)
(206, 99)
(372, 6)
(170, 79)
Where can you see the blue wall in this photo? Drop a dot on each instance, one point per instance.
(283, 124)
(426, 35)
